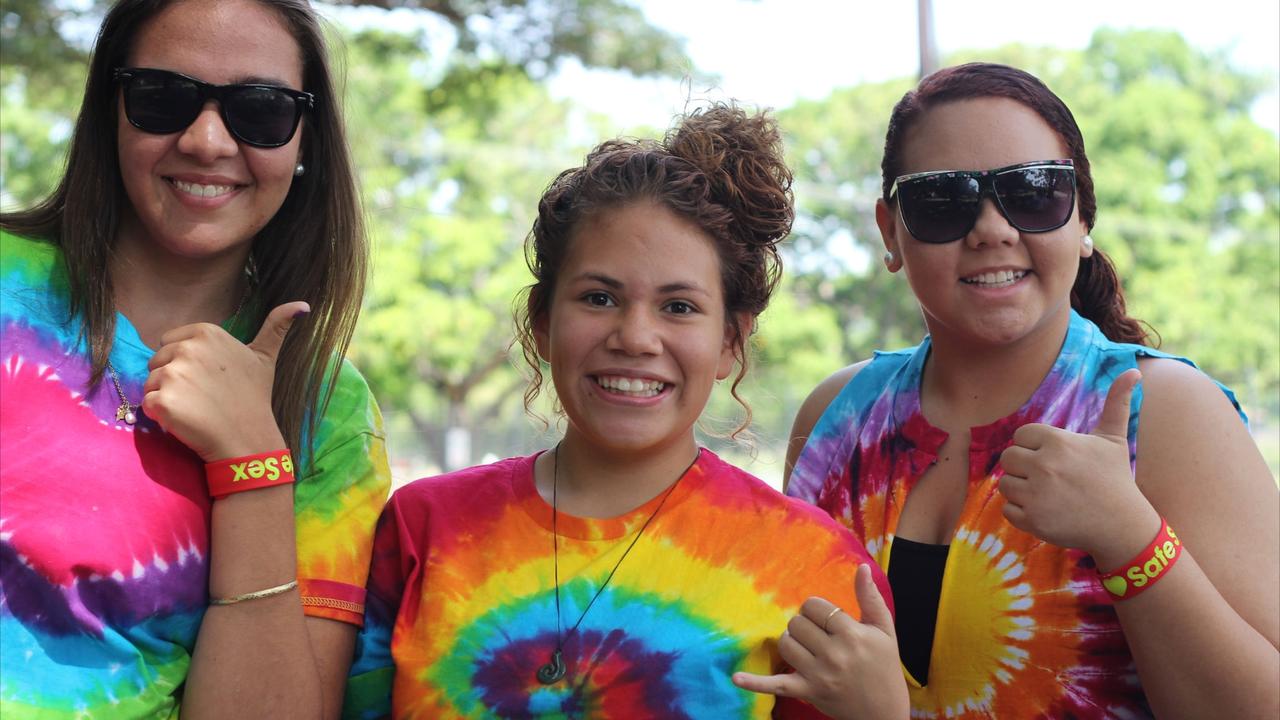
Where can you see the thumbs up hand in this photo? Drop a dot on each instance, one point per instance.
(213, 392)
(1075, 490)
(843, 667)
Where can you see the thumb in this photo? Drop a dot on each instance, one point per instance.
(1114, 420)
(274, 329)
(874, 611)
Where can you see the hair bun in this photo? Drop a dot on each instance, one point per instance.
(741, 156)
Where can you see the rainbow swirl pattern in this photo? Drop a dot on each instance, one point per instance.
(462, 605)
(1024, 628)
(104, 527)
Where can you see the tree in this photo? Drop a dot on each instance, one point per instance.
(1188, 189)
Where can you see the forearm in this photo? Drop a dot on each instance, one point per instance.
(1196, 656)
(254, 656)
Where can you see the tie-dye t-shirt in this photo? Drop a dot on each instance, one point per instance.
(462, 608)
(1024, 628)
(104, 527)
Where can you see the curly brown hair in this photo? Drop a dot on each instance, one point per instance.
(720, 167)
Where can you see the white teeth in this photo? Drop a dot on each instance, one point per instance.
(1000, 278)
(202, 190)
(635, 387)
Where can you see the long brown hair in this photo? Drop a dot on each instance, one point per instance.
(313, 249)
(721, 168)
(1096, 293)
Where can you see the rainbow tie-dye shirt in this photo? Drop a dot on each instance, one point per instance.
(104, 527)
(1024, 628)
(462, 608)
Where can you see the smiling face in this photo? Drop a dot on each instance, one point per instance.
(996, 285)
(636, 334)
(199, 193)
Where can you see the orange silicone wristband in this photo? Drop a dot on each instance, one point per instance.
(250, 472)
(1147, 567)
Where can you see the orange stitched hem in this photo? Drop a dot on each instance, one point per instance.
(333, 603)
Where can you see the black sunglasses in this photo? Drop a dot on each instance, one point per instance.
(941, 206)
(163, 102)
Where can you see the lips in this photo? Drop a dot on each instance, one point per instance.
(202, 190)
(630, 386)
(995, 278)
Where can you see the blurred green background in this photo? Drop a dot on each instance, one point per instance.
(456, 133)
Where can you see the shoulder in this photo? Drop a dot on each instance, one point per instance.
(27, 261)
(1175, 386)
(775, 510)
(468, 483)
(821, 398)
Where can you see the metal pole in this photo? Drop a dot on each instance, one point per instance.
(928, 46)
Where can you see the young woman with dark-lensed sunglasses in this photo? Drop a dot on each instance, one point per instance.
(191, 470)
(1052, 552)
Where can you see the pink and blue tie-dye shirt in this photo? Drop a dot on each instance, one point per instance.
(462, 608)
(104, 527)
(1024, 628)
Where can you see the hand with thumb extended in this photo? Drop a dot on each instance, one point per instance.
(1076, 490)
(213, 392)
(844, 667)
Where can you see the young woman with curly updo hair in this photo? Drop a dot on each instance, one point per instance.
(626, 572)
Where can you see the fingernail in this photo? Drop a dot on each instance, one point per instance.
(300, 313)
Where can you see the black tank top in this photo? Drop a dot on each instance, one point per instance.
(915, 575)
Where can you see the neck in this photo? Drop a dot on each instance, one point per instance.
(967, 385)
(600, 482)
(159, 291)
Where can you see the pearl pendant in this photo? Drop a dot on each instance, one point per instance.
(130, 418)
(125, 412)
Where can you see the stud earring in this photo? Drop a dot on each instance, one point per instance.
(1087, 241)
(889, 257)
(299, 169)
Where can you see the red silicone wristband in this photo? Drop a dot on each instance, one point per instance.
(250, 472)
(1147, 567)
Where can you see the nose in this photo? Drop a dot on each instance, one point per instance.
(991, 228)
(207, 137)
(636, 333)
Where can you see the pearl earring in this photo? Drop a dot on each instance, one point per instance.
(299, 169)
(1087, 241)
(889, 257)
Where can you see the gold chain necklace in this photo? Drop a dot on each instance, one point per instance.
(126, 411)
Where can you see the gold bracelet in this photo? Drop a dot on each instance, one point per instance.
(255, 595)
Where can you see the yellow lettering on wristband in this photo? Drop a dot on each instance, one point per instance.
(1147, 567)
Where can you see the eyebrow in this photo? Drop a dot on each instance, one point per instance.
(616, 284)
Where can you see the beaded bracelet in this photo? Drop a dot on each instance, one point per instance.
(1147, 567)
(256, 594)
(250, 472)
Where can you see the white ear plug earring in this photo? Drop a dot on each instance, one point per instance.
(299, 169)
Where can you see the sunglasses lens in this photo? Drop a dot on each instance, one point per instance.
(161, 103)
(261, 116)
(1037, 199)
(939, 208)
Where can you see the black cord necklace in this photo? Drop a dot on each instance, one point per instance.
(555, 669)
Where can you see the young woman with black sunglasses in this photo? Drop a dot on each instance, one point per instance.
(174, 320)
(1051, 553)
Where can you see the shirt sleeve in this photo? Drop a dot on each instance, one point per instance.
(372, 676)
(337, 499)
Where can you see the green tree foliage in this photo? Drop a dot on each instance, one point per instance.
(1188, 190)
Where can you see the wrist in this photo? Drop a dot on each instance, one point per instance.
(1131, 532)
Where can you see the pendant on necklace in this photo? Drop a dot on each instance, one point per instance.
(125, 413)
(553, 671)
